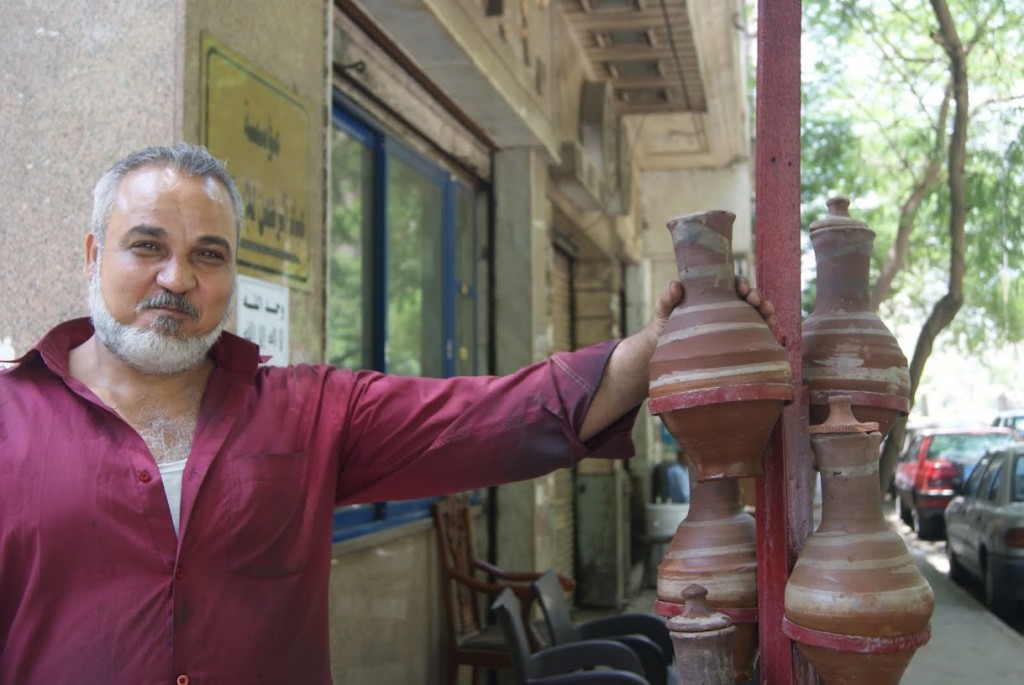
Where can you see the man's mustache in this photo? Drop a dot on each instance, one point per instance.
(169, 301)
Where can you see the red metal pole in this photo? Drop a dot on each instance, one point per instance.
(784, 492)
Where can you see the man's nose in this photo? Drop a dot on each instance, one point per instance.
(176, 276)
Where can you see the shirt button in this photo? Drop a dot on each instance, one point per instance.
(179, 572)
(183, 679)
(144, 476)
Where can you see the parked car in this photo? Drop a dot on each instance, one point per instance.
(985, 530)
(933, 466)
(1010, 419)
(909, 433)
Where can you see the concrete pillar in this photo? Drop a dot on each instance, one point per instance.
(84, 84)
(522, 252)
(81, 87)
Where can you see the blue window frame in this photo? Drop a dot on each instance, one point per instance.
(401, 272)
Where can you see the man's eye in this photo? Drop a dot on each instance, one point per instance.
(212, 254)
(145, 246)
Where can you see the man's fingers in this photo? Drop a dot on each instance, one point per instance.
(668, 299)
(752, 296)
(742, 286)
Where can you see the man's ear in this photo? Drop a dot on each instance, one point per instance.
(91, 253)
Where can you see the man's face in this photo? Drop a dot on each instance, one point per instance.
(162, 287)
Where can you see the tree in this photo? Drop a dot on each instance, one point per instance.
(889, 104)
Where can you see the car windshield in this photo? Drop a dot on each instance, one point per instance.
(965, 448)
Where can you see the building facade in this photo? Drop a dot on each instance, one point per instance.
(435, 187)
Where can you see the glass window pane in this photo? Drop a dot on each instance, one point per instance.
(414, 323)
(986, 480)
(997, 479)
(349, 339)
(971, 488)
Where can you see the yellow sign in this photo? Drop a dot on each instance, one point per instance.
(261, 130)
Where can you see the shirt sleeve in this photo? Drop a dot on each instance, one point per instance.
(406, 437)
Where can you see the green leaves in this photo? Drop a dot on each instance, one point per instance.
(877, 120)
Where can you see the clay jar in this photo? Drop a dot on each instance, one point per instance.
(856, 603)
(846, 347)
(715, 547)
(718, 378)
(702, 640)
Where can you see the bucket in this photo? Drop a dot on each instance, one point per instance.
(663, 519)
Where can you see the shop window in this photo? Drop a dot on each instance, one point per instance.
(402, 272)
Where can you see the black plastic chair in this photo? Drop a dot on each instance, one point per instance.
(581, 663)
(645, 633)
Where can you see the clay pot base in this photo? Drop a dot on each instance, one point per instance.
(724, 440)
(853, 668)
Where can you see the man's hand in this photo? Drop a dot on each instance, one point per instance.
(754, 299)
(673, 293)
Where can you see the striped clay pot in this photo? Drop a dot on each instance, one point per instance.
(715, 547)
(856, 604)
(846, 347)
(718, 378)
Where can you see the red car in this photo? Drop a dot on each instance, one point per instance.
(932, 469)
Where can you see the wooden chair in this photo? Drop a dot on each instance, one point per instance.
(580, 663)
(471, 640)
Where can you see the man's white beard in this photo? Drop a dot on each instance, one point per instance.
(158, 349)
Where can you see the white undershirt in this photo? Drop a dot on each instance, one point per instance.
(171, 474)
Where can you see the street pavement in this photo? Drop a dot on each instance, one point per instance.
(968, 645)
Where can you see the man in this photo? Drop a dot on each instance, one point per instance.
(165, 502)
(678, 477)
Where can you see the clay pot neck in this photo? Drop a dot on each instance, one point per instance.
(848, 464)
(714, 499)
(843, 257)
(703, 248)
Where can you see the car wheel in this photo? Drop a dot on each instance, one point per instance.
(901, 510)
(957, 573)
(993, 600)
(997, 603)
(926, 527)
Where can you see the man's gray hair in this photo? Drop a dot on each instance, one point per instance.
(192, 160)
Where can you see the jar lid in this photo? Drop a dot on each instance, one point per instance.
(838, 216)
(697, 615)
(841, 419)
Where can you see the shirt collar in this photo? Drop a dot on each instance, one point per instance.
(230, 352)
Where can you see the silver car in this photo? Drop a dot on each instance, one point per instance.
(985, 530)
(1011, 419)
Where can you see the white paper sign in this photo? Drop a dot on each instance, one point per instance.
(262, 313)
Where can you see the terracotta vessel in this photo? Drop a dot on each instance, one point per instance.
(702, 639)
(718, 378)
(856, 604)
(715, 547)
(846, 347)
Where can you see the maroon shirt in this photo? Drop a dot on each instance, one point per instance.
(96, 588)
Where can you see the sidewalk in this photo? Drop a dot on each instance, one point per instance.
(968, 644)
